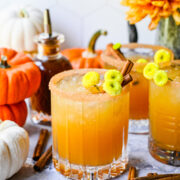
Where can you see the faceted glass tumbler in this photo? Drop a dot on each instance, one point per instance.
(90, 131)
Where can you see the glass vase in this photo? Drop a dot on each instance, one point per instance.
(168, 35)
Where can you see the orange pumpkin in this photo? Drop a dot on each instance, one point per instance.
(19, 76)
(14, 112)
(86, 58)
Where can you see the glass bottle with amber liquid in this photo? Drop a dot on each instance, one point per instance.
(50, 62)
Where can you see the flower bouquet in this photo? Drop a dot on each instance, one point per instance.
(163, 13)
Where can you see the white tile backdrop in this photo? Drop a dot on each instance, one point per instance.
(79, 19)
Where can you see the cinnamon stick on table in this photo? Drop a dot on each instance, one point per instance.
(160, 177)
(171, 178)
(40, 164)
(40, 144)
(132, 173)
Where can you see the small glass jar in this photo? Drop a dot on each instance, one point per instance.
(50, 62)
(164, 104)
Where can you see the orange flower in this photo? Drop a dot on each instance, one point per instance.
(155, 9)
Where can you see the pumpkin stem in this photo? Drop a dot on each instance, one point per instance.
(92, 42)
(23, 13)
(4, 63)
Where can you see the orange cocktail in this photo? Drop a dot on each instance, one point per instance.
(89, 130)
(139, 91)
(164, 141)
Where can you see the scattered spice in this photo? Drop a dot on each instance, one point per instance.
(135, 83)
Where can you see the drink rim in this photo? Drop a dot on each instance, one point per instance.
(81, 96)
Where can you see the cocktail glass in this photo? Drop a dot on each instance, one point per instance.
(164, 110)
(90, 131)
(139, 88)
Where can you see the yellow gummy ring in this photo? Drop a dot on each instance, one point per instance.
(113, 88)
(161, 56)
(113, 75)
(149, 70)
(117, 46)
(160, 78)
(90, 79)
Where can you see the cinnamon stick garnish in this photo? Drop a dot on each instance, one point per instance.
(127, 67)
(114, 52)
(40, 144)
(40, 164)
(127, 79)
(159, 176)
(125, 72)
(108, 49)
(132, 173)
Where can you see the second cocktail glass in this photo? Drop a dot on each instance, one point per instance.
(139, 87)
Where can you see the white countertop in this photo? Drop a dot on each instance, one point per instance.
(138, 157)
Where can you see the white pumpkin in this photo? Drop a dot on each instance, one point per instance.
(14, 148)
(18, 26)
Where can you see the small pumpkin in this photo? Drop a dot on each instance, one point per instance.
(19, 76)
(15, 112)
(14, 148)
(86, 58)
(19, 24)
